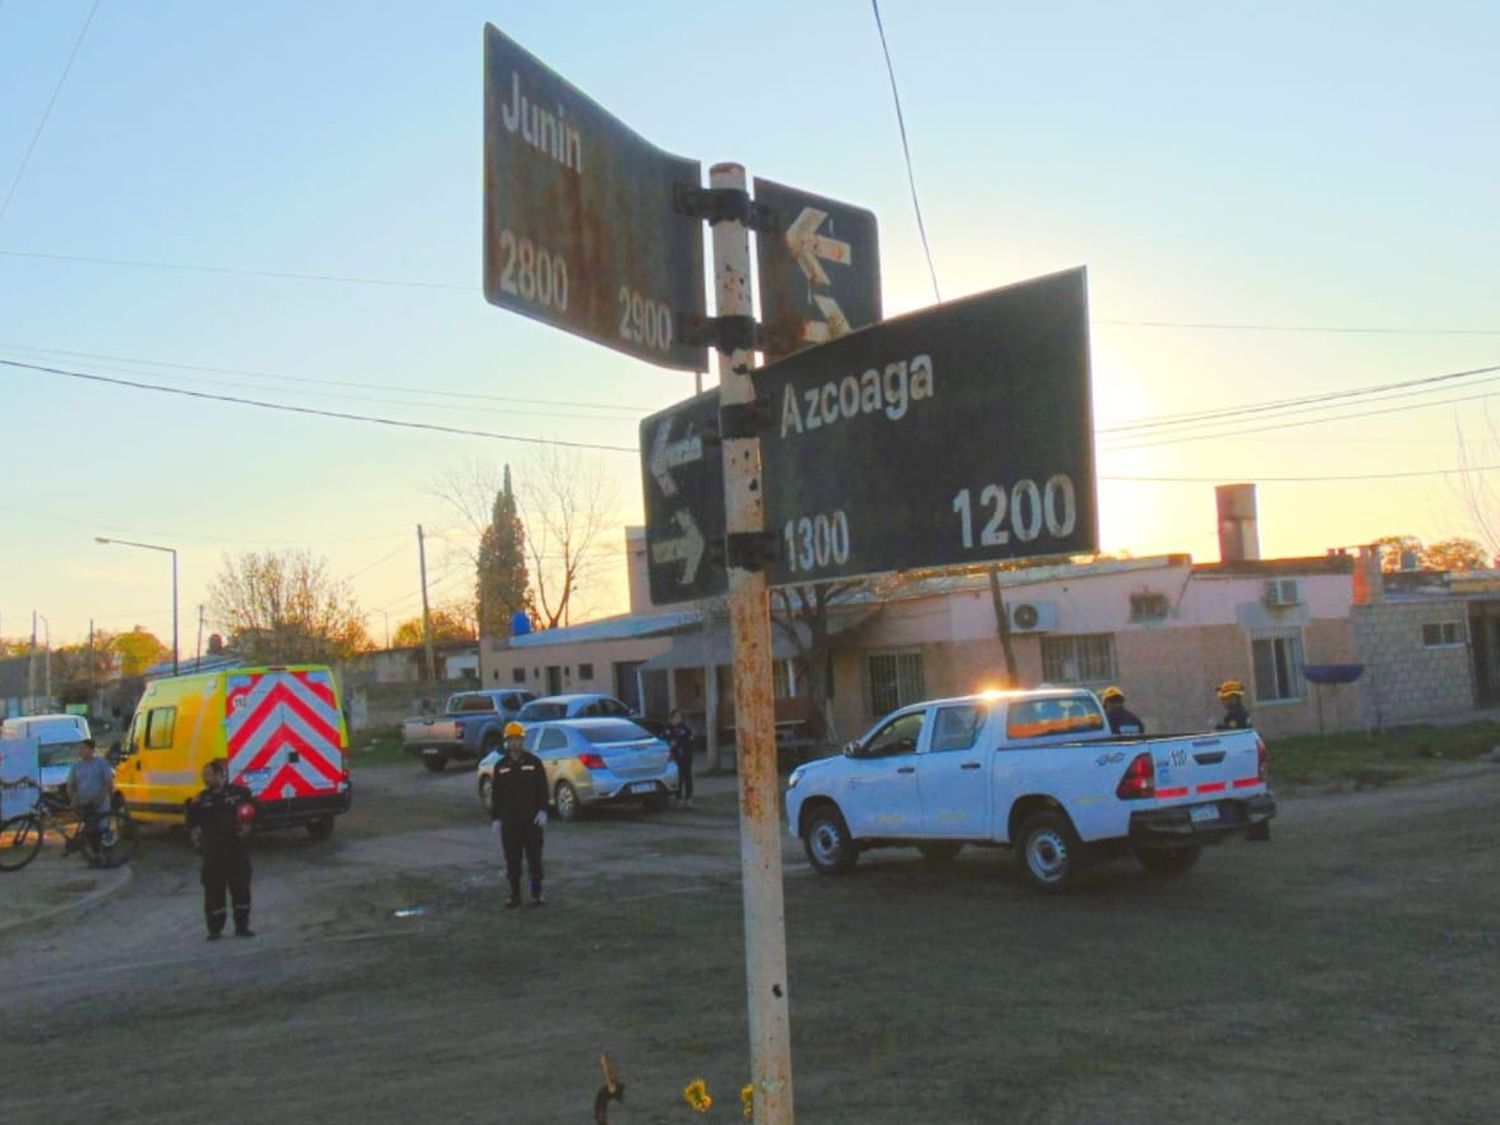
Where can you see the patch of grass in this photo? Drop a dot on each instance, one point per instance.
(377, 746)
(1378, 758)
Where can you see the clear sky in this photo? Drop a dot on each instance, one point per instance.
(1288, 164)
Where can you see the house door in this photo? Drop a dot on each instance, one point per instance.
(627, 686)
(554, 679)
(1484, 645)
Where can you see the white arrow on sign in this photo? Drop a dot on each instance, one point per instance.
(667, 455)
(686, 549)
(807, 246)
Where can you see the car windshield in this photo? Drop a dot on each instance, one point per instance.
(536, 712)
(600, 733)
(58, 753)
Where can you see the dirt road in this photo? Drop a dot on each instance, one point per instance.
(1346, 972)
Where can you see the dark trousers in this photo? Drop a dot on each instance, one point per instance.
(227, 871)
(519, 840)
(685, 776)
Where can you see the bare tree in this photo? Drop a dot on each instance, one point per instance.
(284, 607)
(803, 614)
(1476, 486)
(565, 498)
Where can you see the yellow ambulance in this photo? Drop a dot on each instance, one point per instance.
(281, 729)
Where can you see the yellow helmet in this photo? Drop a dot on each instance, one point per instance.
(515, 730)
(1110, 694)
(1230, 688)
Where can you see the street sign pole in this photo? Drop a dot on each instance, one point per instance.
(754, 709)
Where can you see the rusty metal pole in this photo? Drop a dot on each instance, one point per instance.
(754, 709)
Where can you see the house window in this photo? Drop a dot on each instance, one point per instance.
(784, 683)
(896, 679)
(1083, 659)
(585, 671)
(1442, 634)
(1278, 667)
(1148, 607)
(518, 676)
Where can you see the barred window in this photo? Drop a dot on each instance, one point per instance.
(896, 679)
(1278, 667)
(1087, 658)
(1439, 634)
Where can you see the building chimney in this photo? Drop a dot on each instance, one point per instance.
(1239, 537)
(1369, 586)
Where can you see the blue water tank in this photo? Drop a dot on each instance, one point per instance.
(520, 624)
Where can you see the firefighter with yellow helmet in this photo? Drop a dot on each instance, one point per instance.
(518, 813)
(1232, 696)
(1122, 720)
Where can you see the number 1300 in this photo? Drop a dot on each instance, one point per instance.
(1054, 506)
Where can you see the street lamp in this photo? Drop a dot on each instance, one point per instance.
(171, 551)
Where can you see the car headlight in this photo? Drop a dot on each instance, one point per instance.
(791, 782)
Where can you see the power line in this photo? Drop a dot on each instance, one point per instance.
(101, 525)
(911, 178)
(1259, 479)
(251, 373)
(339, 414)
(47, 113)
(1167, 420)
(1315, 328)
(282, 275)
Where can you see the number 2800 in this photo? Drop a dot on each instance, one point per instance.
(1054, 505)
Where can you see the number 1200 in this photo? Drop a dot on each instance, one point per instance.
(1054, 505)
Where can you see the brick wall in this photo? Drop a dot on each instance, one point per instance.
(1405, 679)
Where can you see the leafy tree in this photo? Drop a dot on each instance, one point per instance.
(283, 607)
(502, 582)
(73, 674)
(138, 650)
(1455, 554)
(450, 625)
(1392, 547)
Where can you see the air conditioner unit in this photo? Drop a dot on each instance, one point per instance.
(1032, 617)
(1283, 591)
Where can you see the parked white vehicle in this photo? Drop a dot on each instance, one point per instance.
(1038, 771)
(58, 737)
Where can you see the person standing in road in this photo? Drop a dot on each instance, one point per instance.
(1232, 696)
(91, 787)
(1122, 720)
(680, 741)
(218, 815)
(518, 813)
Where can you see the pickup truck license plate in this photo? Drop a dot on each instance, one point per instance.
(1200, 814)
(643, 787)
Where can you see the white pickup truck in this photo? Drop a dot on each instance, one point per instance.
(1038, 771)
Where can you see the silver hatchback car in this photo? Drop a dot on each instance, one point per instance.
(594, 762)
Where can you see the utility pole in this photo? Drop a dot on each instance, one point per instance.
(31, 670)
(199, 662)
(93, 685)
(426, 613)
(754, 708)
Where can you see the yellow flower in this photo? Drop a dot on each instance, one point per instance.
(747, 1095)
(696, 1095)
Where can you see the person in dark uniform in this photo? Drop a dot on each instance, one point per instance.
(1232, 696)
(222, 826)
(1122, 720)
(680, 740)
(518, 813)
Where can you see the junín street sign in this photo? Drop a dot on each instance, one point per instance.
(959, 434)
(819, 269)
(581, 228)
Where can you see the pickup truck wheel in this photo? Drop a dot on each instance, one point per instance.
(486, 787)
(939, 853)
(826, 840)
(569, 807)
(1049, 851)
(1168, 861)
(434, 762)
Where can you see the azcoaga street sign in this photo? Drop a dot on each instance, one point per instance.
(581, 226)
(961, 434)
(819, 267)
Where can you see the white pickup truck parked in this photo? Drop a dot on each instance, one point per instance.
(1038, 771)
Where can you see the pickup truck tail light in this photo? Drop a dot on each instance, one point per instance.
(458, 729)
(591, 761)
(1260, 758)
(1139, 780)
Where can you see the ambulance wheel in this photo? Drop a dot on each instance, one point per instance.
(320, 829)
(569, 807)
(434, 762)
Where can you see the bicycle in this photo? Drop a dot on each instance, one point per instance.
(111, 842)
